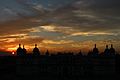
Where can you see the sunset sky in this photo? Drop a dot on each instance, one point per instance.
(59, 25)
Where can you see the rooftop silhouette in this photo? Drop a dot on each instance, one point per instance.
(36, 51)
(70, 64)
(95, 52)
(20, 51)
(64, 64)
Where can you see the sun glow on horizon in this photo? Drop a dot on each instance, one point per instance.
(13, 53)
(12, 49)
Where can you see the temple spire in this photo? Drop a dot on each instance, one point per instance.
(36, 51)
(95, 51)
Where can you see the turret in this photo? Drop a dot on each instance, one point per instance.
(36, 51)
(19, 51)
(112, 50)
(24, 50)
(107, 51)
(95, 51)
(47, 53)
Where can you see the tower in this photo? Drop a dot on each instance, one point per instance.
(112, 50)
(80, 53)
(19, 51)
(24, 50)
(47, 53)
(106, 51)
(36, 51)
(95, 51)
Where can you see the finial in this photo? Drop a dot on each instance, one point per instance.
(95, 45)
(35, 45)
(111, 45)
(106, 46)
(19, 45)
(23, 46)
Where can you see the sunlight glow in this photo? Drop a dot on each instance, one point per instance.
(12, 49)
(13, 53)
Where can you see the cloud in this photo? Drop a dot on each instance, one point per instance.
(70, 33)
(22, 25)
(49, 28)
(61, 42)
(13, 36)
(91, 34)
(86, 17)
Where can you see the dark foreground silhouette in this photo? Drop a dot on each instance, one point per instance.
(61, 66)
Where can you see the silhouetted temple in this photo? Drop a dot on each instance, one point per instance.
(112, 51)
(24, 50)
(36, 51)
(80, 53)
(95, 51)
(107, 51)
(67, 64)
(63, 65)
(47, 53)
(20, 51)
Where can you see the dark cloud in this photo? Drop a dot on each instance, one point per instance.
(89, 15)
(21, 26)
(85, 15)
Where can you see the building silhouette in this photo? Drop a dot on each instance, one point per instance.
(95, 51)
(112, 51)
(67, 64)
(20, 51)
(47, 53)
(80, 53)
(24, 50)
(36, 51)
(107, 51)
